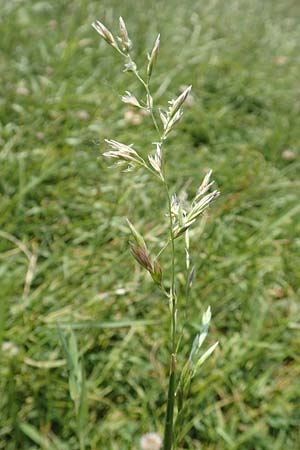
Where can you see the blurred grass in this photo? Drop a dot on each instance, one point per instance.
(63, 241)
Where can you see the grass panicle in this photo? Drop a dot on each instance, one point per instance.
(180, 222)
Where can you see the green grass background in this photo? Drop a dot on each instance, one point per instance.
(63, 205)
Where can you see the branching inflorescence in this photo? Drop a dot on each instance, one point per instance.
(181, 217)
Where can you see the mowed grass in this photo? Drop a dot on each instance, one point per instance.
(63, 237)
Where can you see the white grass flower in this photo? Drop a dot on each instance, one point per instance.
(172, 122)
(186, 219)
(163, 118)
(190, 99)
(196, 210)
(200, 338)
(151, 441)
(155, 160)
(205, 185)
(195, 360)
(174, 113)
(176, 104)
(120, 150)
(125, 154)
(175, 205)
(124, 38)
(206, 318)
(130, 99)
(206, 355)
(153, 56)
(105, 33)
(200, 205)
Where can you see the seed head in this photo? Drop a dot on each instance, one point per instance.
(153, 56)
(124, 154)
(172, 122)
(124, 38)
(206, 317)
(157, 273)
(130, 99)
(205, 185)
(175, 205)
(136, 235)
(206, 355)
(185, 219)
(105, 33)
(149, 102)
(141, 256)
(163, 118)
(155, 160)
(174, 113)
(178, 102)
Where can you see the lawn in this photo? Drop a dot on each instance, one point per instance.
(64, 254)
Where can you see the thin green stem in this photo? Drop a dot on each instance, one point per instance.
(151, 109)
(169, 422)
(163, 249)
(146, 87)
(141, 80)
(168, 435)
(172, 293)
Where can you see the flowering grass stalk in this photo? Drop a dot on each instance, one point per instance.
(181, 216)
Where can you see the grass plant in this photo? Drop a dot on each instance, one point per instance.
(63, 243)
(181, 216)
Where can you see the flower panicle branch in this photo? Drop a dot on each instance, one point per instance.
(186, 216)
(141, 254)
(124, 154)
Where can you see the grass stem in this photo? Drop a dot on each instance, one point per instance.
(169, 435)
